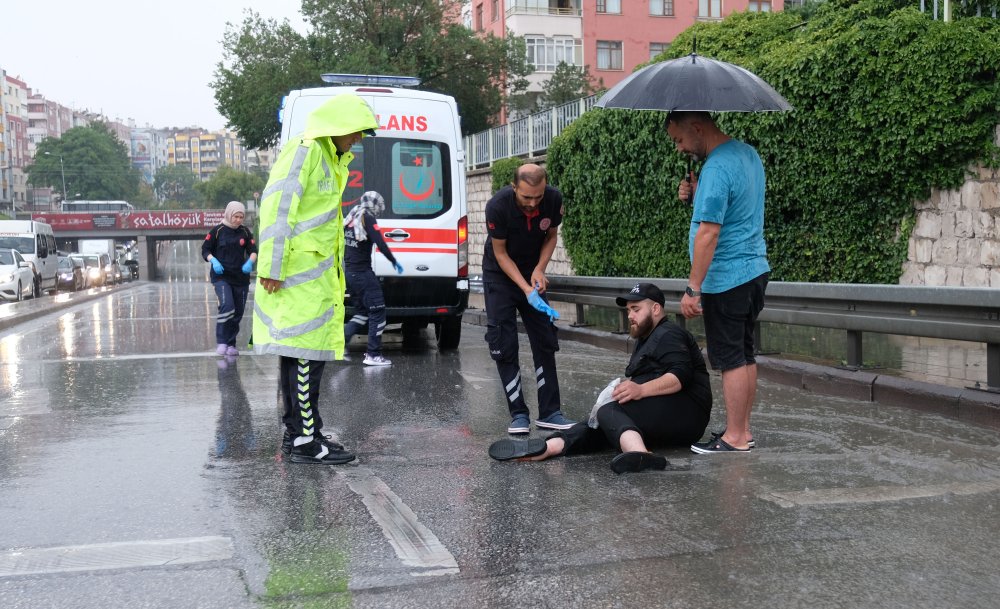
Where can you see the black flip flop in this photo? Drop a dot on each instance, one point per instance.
(505, 450)
(637, 462)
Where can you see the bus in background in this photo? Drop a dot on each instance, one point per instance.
(97, 206)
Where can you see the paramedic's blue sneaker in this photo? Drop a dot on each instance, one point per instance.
(376, 360)
(519, 425)
(556, 420)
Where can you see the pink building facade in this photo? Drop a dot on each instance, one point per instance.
(610, 37)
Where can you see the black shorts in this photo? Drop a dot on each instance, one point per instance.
(730, 317)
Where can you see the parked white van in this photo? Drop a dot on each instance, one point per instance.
(416, 162)
(36, 243)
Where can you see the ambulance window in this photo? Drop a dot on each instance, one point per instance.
(418, 184)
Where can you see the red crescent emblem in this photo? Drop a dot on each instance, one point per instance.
(545, 224)
(413, 196)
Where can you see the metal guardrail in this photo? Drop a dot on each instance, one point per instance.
(952, 313)
(525, 137)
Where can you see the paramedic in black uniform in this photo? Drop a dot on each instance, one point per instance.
(360, 233)
(522, 221)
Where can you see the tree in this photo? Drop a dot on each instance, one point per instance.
(566, 84)
(94, 162)
(175, 183)
(227, 185)
(263, 60)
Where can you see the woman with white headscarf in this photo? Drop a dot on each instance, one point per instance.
(231, 250)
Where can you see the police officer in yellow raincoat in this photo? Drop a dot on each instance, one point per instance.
(299, 312)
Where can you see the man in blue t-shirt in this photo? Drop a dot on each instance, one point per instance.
(729, 269)
(522, 221)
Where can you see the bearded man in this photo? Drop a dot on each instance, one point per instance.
(666, 399)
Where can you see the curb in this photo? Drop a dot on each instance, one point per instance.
(968, 405)
(28, 310)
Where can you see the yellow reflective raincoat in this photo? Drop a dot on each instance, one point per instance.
(301, 238)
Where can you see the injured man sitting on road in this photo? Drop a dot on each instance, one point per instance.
(665, 401)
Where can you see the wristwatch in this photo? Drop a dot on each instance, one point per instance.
(691, 292)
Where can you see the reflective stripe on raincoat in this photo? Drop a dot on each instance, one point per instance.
(302, 237)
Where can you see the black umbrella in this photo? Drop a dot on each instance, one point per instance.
(694, 83)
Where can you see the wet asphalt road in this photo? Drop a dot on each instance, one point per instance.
(139, 469)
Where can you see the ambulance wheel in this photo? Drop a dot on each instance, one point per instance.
(448, 332)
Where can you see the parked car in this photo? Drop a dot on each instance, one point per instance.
(17, 280)
(70, 275)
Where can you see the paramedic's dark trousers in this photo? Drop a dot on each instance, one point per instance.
(232, 302)
(300, 381)
(369, 308)
(504, 301)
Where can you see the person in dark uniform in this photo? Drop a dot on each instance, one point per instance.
(360, 234)
(522, 222)
(231, 250)
(666, 399)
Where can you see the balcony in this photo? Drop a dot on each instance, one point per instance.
(558, 8)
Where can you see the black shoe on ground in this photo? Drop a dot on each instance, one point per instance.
(505, 450)
(315, 452)
(287, 439)
(637, 462)
(718, 434)
(716, 445)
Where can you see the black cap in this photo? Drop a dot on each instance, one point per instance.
(642, 291)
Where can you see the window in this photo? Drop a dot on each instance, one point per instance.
(416, 183)
(661, 8)
(479, 17)
(655, 48)
(546, 53)
(609, 55)
(711, 9)
(495, 10)
(759, 6)
(613, 7)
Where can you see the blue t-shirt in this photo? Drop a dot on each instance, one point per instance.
(731, 193)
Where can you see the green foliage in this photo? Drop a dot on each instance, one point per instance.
(94, 162)
(227, 185)
(503, 172)
(263, 59)
(888, 104)
(568, 83)
(175, 183)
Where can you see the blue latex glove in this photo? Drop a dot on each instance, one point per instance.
(247, 266)
(535, 300)
(217, 266)
(399, 267)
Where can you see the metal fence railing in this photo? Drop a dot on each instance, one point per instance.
(951, 313)
(527, 137)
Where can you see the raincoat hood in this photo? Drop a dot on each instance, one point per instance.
(342, 115)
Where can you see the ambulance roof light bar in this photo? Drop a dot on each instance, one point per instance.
(371, 79)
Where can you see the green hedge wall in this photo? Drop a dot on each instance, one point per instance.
(888, 104)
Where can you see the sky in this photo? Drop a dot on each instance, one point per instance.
(147, 61)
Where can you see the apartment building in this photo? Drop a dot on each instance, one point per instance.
(148, 151)
(610, 37)
(15, 110)
(204, 152)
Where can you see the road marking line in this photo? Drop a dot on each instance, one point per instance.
(876, 494)
(117, 555)
(415, 544)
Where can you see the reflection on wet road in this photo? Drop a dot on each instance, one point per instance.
(139, 469)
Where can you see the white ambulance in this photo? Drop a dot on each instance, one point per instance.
(416, 161)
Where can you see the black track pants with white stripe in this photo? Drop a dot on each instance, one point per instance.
(300, 381)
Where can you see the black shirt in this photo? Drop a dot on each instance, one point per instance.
(671, 348)
(524, 235)
(232, 247)
(358, 254)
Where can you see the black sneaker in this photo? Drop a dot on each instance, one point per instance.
(326, 440)
(637, 462)
(315, 452)
(716, 445)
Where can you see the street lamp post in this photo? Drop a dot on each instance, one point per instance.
(62, 170)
